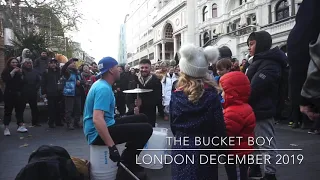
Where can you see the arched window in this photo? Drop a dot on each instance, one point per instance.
(282, 10)
(214, 11)
(205, 13)
(206, 38)
(168, 31)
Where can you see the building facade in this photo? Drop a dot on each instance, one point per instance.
(157, 28)
(229, 22)
(122, 55)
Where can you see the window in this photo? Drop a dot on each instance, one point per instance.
(206, 38)
(145, 57)
(168, 31)
(205, 13)
(282, 10)
(214, 11)
(242, 2)
(150, 43)
(143, 46)
(151, 56)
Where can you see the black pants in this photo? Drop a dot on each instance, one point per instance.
(32, 100)
(135, 131)
(13, 100)
(233, 169)
(72, 109)
(54, 110)
(121, 103)
(160, 109)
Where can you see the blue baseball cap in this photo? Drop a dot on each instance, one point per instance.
(105, 64)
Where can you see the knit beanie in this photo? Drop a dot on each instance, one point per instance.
(194, 60)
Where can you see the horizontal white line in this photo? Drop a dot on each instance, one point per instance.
(220, 149)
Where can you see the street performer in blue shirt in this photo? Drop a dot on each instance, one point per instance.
(100, 127)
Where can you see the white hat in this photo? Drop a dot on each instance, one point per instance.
(194, 60)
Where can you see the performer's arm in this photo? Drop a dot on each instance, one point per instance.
(101, 126)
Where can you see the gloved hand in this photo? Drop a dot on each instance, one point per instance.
(114, 154)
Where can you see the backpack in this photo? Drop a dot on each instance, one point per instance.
(49, 163)
(283, 105)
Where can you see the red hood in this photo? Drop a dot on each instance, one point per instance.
(236, 87)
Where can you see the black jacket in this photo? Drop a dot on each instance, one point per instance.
(31, 80)
(149, 100)
(264, 74)
(49, 83)
(306, 30)
(13, 84)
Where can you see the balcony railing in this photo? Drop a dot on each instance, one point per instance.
(280, 26)
(242, 8)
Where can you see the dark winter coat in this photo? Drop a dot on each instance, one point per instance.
(264, 74)
(305, 31)
(201, 119)
(41, 64)
(238, 114)
(31, 80)
(13, 84)
(49, 83)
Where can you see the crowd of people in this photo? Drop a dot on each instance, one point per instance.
(27, 81)
(205, 93)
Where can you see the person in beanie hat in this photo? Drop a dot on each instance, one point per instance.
(195, 110)
(72, 93)
(101, 128)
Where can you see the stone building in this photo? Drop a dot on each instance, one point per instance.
(156, 29)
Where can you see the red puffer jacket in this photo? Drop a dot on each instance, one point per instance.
(238, 114)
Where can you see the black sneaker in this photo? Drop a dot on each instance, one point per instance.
(255, 172)
(269, 177)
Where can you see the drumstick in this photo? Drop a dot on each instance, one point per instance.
(126, 169)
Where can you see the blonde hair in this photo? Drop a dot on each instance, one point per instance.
(194, 87)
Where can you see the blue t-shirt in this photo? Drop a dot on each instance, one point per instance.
(100, 97)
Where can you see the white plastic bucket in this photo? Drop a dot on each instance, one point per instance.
(101, 166)
(152, 159)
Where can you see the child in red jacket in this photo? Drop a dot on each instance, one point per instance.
(239, 119)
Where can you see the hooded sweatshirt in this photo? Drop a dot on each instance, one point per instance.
(264, 74)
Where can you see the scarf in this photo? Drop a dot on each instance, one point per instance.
(144, 81)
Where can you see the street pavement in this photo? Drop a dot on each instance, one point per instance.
(15, 151)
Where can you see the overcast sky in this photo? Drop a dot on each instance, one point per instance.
(99, 32)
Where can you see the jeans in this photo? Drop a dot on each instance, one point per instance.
(72, 109)
(265, 128)
(135, 131)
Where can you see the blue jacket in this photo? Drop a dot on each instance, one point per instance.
(70, 86)
(264, 74)
(201, 119)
